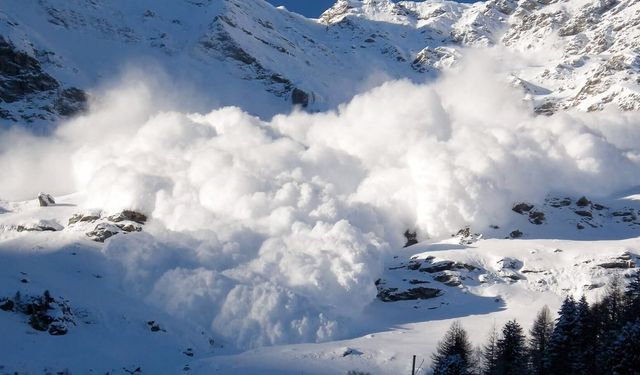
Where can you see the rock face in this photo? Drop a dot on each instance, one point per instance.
(24, 83)
(126, 221)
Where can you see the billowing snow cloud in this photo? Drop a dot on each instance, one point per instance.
(263, 229)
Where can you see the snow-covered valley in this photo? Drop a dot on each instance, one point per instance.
(236, 189)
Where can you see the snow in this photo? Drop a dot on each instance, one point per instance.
(260, 231)
(383, 339)
(269, 237)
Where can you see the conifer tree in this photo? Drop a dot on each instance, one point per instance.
(584, 336)
(453, 353)
(540, 335)
(490, 353)
(624, 353)
(612, 305)
(632, 298)
(512, 350)
(561, 349)
(608, 316)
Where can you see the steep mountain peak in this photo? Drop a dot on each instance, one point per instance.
(378, 10)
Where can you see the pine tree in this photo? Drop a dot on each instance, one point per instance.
(584, 336)
(624, 354)
(632, 298)
(512, 351)
(490, 353)
(612, 305)
(453, 353)
(608, 316)
(561, 349)
(540, 336)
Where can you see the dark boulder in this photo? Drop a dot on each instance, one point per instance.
(583, 202)
(7, 305)
(521, 208)
(299, 97)
(584, 213)
(516, 234)
(103, 231)
(412, 238)
(448, 279)
(557, 203)
(57, 329)
(392, 294)
(128, 215)
(45, 200)
(446, 265)
(536, 217)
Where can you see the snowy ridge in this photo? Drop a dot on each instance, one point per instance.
(576, 54)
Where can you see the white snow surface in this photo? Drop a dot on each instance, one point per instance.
(268, 236)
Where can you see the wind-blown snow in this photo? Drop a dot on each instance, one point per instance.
(275, 232)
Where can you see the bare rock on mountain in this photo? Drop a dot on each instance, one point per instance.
(45, 200)
(128, 215)
(103, 231)
(394, 295)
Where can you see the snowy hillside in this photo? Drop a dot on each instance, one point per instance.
(224, 187)
(236, 52)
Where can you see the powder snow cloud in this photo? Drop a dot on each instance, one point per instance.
(262, 229)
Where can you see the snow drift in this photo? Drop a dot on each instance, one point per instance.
(263, 229)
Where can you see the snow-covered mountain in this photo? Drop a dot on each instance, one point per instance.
(236, 189)
(574, 53)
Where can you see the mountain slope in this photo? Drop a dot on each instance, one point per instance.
(199, 225)
(572, 54)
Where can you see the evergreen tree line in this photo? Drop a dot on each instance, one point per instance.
(601, 338)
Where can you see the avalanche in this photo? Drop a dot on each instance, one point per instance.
(267, 240)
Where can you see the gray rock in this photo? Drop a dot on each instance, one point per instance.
(40, 226)
(46, 200)
(446, 265)
(536, 217)
(557, 203)
(103, 231)
(521, 208)
(392, 294)
(622, 264)
(516, 234)
(299, 97)
(584, 213)
(411, 236)
(83, 217)
(128, 215)
(448, 279)
(583, 202)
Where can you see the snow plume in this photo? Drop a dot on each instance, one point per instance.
(274, 231)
